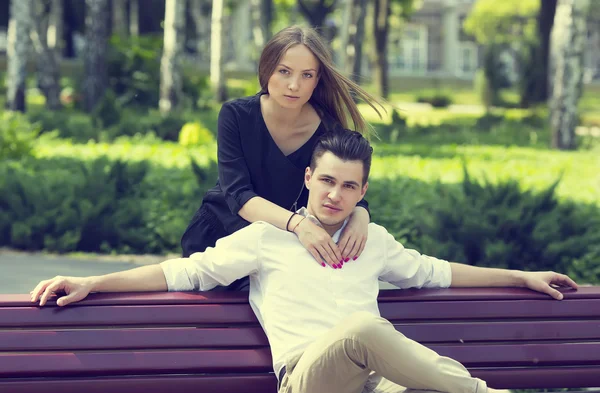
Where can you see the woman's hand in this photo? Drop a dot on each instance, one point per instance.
(354, 237)
(319, 243)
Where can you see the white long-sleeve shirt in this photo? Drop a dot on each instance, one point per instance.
(295, 299)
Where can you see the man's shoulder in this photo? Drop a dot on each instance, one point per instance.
(377, 230)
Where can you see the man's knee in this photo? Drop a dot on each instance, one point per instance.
(363, 324)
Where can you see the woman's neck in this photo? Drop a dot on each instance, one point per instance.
(278, 114)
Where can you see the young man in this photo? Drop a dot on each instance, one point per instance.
(323, 324)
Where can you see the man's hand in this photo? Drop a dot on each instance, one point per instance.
(76, 288)
(546, 282)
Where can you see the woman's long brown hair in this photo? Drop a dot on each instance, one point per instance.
(334, 92)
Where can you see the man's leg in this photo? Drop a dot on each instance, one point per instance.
(342, 360)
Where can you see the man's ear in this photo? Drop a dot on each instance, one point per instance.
(307, 177)
(363, 191)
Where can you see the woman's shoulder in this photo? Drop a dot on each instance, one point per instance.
(244, 104)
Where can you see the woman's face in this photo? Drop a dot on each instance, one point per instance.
(295, 77)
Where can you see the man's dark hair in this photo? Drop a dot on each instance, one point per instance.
(347, 145)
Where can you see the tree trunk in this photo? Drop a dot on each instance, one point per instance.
(96, 38)
(201, 16)
(17, 51)
(46, 57)
(354, 55)
(381, 27)
(262, 13)
(567, 45)
(56, 27)
(316, 15)
(217, 55)
(545, 23)
(134, 18)
(119, 17)
(171, 86)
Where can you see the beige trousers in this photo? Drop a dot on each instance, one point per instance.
(365, 353)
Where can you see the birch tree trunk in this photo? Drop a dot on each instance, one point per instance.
(567, 45)
(119, 17)
(381, 27)
(201, 16)
(171, 87)
(56, 27)
(96, 38)
(217, 55)
(48, 72)
(134, 18)
(17, 51)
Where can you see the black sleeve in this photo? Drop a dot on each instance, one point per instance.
(363, 203)
(234, 176)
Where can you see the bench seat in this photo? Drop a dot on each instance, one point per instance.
(205, 342)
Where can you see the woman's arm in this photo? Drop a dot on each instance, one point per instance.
(314, 238)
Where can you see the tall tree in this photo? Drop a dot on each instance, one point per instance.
(96, 38)
(316, 12)
(17, 50)
(171, 86)
(119, 17)
(201, 16)
(356, 34)
(381, 27)
(262, 16)
(47, 63)
(545, 21)
(134, 18)
(56, 27)
(567, 45)
(217, 49)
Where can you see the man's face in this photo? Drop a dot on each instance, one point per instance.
(335, 187)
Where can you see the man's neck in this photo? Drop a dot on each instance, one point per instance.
(330, 229)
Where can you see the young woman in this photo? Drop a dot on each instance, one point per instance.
(265, 143)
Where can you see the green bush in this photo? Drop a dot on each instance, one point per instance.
(437, 99)
(502, 225)
(195, 134)
(68, 123)
(17, 136)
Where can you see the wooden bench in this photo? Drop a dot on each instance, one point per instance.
(211, 342)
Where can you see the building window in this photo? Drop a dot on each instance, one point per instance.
(467, 58)
(409, 51)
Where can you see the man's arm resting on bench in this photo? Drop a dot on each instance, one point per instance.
(141, 279)
(473, 276)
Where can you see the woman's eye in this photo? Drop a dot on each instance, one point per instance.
(307, 75)
(283, 71)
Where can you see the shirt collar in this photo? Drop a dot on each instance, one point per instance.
(304, 213)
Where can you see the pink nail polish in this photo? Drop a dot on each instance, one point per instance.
(323, 264)
(355, 258)
(334, 266)
(347, 259)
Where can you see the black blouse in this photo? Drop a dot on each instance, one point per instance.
(251, 164)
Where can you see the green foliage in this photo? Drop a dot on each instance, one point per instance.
(195, 134)
(495, 22)
(134, 72)
(134, 69)
(67, 123)
(484, 89)
(17, 136)
(437, 99)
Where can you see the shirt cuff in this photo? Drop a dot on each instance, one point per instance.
(235, 203)
(176, 275)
